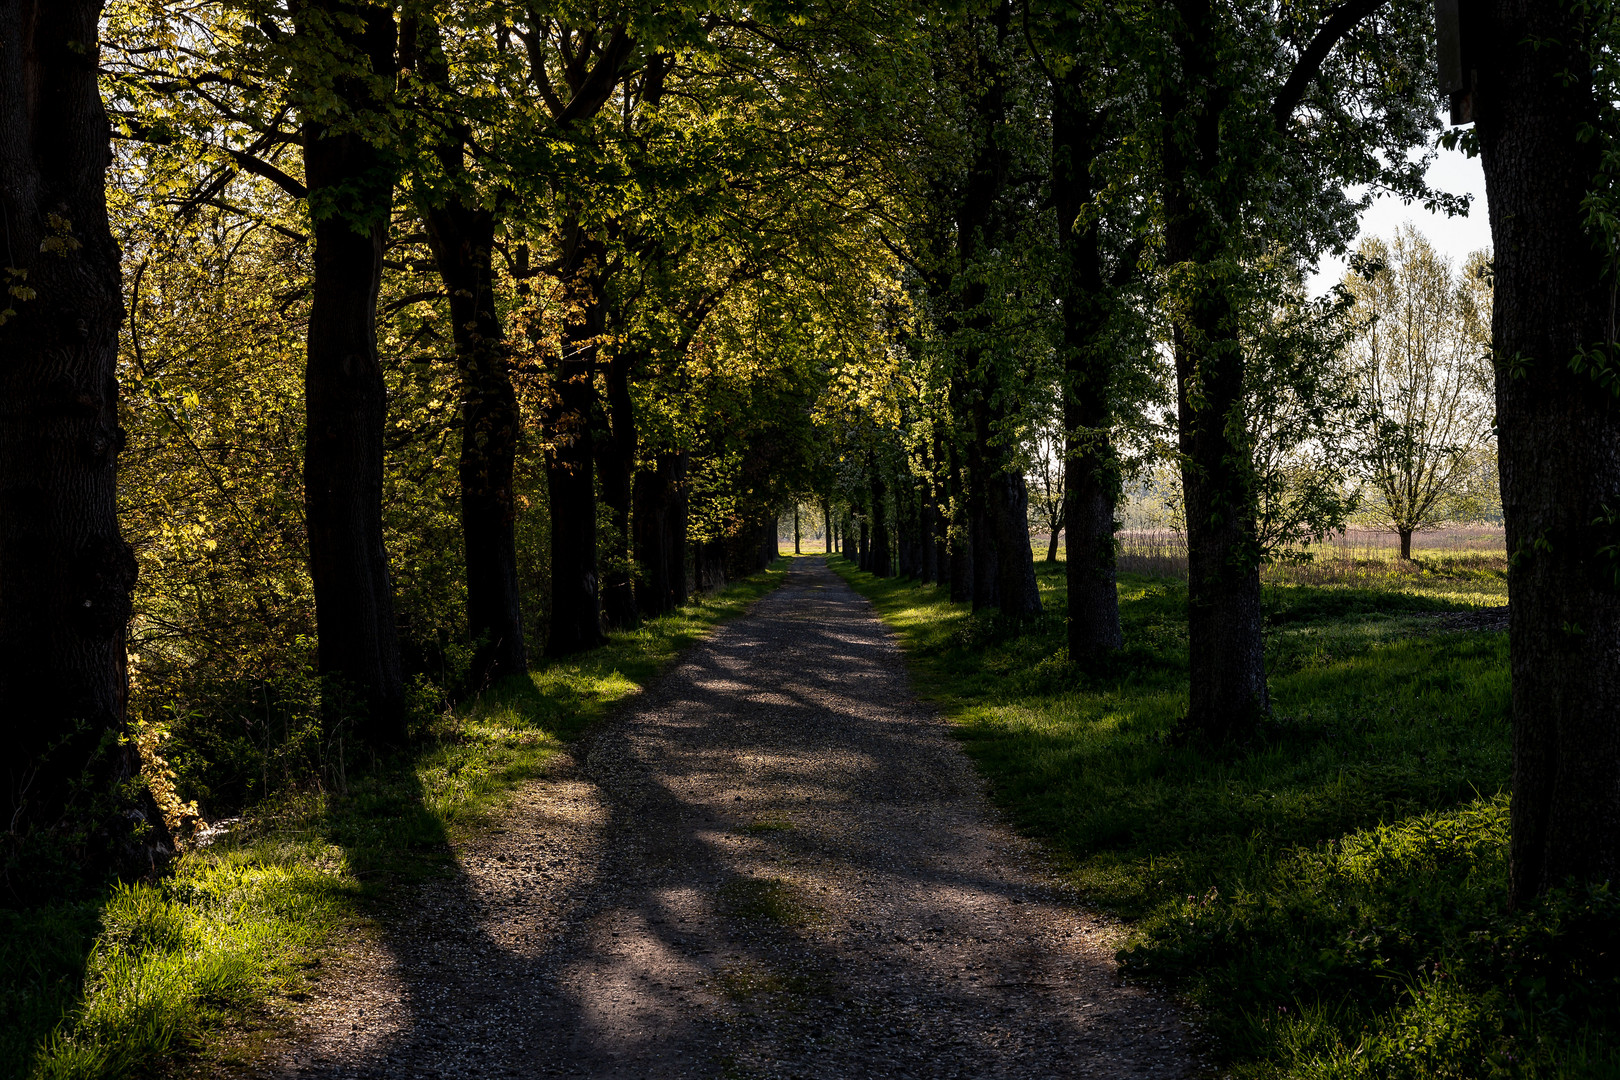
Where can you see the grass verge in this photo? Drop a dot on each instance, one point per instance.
(119, 985)
(1331, 897)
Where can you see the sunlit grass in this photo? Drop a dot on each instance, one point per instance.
(114, 987)
(1332, 895)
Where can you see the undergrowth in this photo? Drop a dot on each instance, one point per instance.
(118, 985)
(1332, 896)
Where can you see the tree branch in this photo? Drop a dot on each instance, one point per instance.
(1344, 19)
(259, 167)
(598, 86)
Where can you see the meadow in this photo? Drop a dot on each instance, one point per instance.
(153, 973)
(1330, 899)
(1471, 556)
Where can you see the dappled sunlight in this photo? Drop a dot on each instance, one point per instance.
(752, 868)
(1334, 883)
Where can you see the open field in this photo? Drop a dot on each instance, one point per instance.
(1461, 561)
(1330, 897)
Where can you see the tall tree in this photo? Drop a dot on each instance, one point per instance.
(461, 232)
(343, 64)
(570, 420)
(1544, 128)
(1419, 363)
(1090, 338)
(576, 68)
(1229, 172)
(65, 571)
(998, 500)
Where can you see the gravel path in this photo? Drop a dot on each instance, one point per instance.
(773, 864)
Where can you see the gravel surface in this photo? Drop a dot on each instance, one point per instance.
(775, 863)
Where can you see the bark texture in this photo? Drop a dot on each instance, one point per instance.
(1226, 661)
(1091, 467)
(660, 534)
(616, 462)
(570, 420)
(66, 573)
(350, 185)
(881, 560)
(959, 533)
(709, 565)
(463, 240)
(1007, 503)
(770, 547)
(998, 510)
(927, 528)
(1559, 445)
(462, 237)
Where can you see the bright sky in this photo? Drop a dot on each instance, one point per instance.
(1455, 238)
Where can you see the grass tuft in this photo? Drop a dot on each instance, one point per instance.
(1331, 896)
(154, 971)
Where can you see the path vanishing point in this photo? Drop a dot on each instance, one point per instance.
(773, 863)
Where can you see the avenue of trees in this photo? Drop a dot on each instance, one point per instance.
(357, 352)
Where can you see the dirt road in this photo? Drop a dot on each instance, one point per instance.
(775, 863)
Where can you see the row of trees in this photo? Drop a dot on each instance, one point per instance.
(433, 315)
(1131, 183)
(443, 329)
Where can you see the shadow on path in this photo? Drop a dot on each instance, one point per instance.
(774, 863)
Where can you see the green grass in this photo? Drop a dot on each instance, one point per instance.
(1330, 897)
(151, 971)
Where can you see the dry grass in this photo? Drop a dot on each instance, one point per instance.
(1357, 558)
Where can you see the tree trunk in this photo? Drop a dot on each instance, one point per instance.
(881, 563)
(866, 549)
(350, 194)
(1003, 561)
(998, 509)
(1055, 539)
(1008, 505)
(616, 461)
(1406, 544)
(1559, 444)
(576, 610)
(66, 573)
(770, 546)
(710, 563)
(1226, 659)
(660, 535)
(827, 525)
(463, 240)
(796, 550)
(1091, 466)
(981, 542)
(904, 565)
